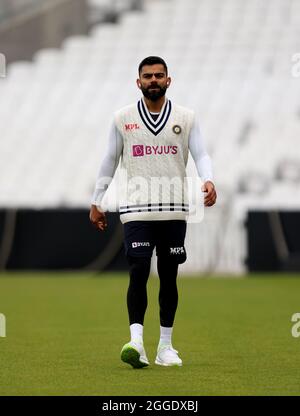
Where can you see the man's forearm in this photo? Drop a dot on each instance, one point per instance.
(108, 166)
(199, 154)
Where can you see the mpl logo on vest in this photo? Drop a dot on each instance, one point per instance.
(141, 150)
(131, 126)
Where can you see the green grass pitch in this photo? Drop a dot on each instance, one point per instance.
(64, 333)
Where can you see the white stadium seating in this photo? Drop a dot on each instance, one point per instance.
(230, 60)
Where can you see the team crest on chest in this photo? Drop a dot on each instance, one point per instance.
(176, 129)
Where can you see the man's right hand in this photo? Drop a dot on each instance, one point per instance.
(97, 218)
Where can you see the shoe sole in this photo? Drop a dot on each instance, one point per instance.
(131, 356)
(158, 362)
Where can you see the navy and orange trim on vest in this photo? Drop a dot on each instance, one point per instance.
(154, 207)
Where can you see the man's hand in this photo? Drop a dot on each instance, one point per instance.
(97, 218)
(211, 195)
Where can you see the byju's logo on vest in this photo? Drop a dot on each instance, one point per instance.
(141, 150)
(138, 150)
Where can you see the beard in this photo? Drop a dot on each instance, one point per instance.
(154, 95)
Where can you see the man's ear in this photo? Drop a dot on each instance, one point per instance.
(168, 81)
(138, 83)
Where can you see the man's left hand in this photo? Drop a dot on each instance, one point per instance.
(210, 193)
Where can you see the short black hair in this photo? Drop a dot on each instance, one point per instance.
(152, 60)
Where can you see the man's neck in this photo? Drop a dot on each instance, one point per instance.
(155, 106)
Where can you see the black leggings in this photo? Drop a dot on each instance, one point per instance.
(137, 291)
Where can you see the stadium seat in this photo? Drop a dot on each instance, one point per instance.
(230, 61)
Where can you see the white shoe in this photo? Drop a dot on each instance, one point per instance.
(133, 353)
(167, 356)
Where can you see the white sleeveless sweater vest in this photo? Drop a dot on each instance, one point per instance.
(153, 163)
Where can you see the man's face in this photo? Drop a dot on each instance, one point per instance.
(153, 81)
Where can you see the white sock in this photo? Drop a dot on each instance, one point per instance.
(136, 332)
(165, 335)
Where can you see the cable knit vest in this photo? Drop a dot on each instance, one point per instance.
(153, 163)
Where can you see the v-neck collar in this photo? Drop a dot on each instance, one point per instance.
(155, 126)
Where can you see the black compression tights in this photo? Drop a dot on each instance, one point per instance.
(137, 291)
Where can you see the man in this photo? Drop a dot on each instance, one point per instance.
(153, 138)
